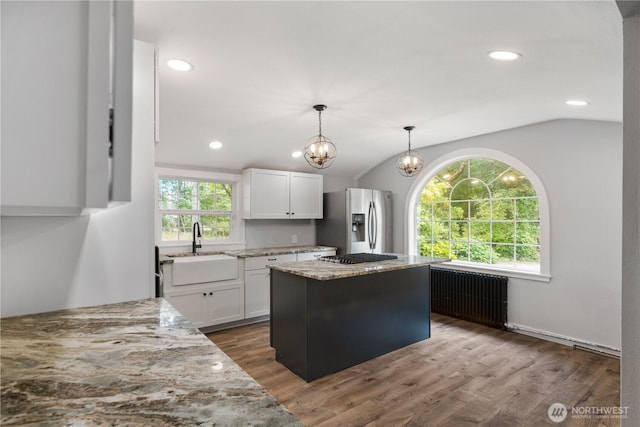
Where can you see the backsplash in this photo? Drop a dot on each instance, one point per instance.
(266, 233)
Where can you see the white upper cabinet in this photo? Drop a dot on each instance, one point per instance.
(265, 194)
(270, 194)
(305, 192)
(66, 106)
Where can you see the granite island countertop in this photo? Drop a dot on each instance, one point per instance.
(134, 363)
(321, 270)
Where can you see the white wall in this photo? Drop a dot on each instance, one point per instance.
(580, 165)
(337, 183)
(51, 263)
(266, 233)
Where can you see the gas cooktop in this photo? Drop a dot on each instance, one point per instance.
(357, 258)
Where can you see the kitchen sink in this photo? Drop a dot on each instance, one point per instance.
(188, 270)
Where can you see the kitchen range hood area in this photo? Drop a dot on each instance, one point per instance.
(341, 281)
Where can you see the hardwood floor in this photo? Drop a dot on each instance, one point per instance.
(464, 375)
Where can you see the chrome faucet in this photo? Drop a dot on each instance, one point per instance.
(194, 245)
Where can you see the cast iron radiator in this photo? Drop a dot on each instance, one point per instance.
(480, 298)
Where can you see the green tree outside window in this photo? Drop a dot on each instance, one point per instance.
(183, 202)
(480, 210)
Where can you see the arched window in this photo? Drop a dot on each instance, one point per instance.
(481, 212)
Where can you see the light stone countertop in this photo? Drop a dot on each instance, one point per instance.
(248, 253)
(134, 363)
(321, 270)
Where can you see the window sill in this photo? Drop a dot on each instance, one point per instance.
(516, 274)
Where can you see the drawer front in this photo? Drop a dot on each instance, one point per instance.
(254, 263)
(306, 256)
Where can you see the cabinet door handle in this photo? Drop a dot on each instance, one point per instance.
(204, 294)
(210, 293)
(272, 259)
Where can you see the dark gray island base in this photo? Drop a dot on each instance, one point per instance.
(321, 326)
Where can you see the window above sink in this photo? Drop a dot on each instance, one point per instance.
(184, 197)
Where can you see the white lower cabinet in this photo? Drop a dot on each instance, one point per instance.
(257, 279)
(257, 283)
(216, 303)
(190, 306)
(210, 305)
(256, 286)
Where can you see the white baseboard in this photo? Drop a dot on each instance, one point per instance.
(564, 340)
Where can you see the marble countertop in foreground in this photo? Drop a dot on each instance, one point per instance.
(321, 270)
(135, 363)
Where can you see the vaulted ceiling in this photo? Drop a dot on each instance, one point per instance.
(378, 66)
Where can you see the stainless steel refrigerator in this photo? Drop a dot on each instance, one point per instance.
(356, 220)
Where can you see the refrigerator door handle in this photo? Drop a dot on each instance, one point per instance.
(375, 226)
(370, 225)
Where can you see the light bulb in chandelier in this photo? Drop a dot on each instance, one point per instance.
(409, 163)
(319, 151)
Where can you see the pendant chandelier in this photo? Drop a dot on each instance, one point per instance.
(409, 163)
(319, 151)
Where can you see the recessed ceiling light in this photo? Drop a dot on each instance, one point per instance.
(215, 145)
(296, 154)
(504, 55)
(576, 102)
(179, 65)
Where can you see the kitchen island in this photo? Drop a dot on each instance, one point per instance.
(326, 316)
(134, 363)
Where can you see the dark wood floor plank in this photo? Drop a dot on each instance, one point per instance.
(464, 375)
